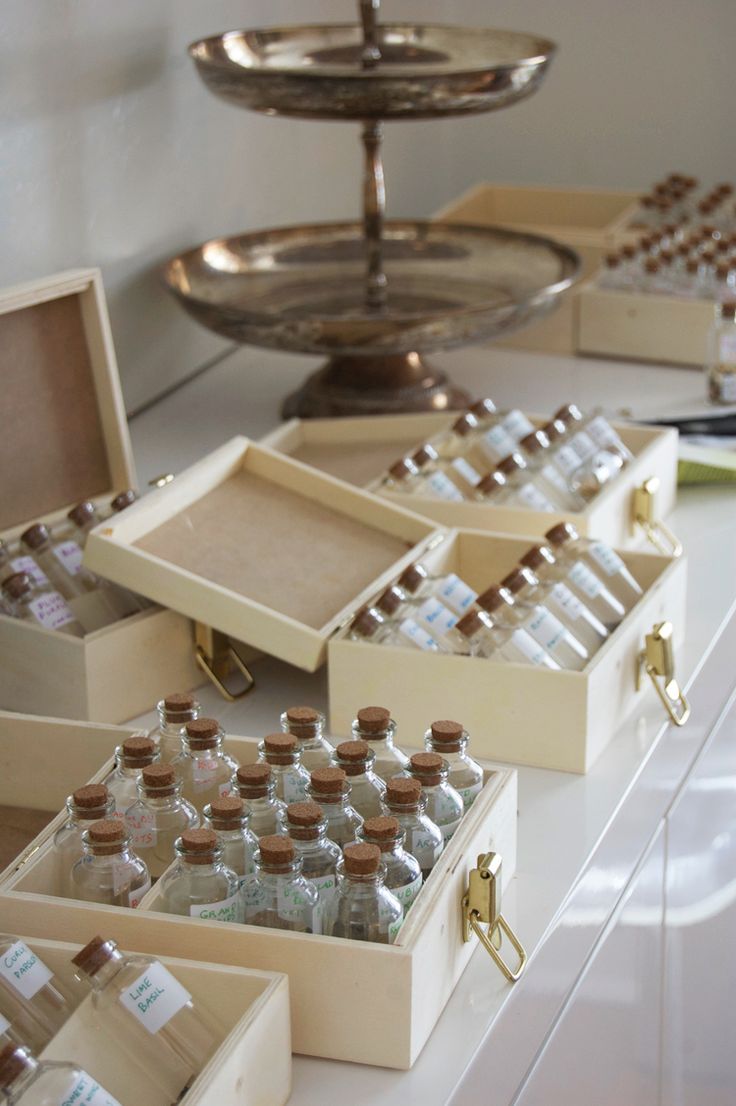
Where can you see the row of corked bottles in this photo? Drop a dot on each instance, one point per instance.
(166, 1039)
(311, 837)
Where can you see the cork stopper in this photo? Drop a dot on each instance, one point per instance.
(202, 733)
(568, 413)
(226, 812)
(629, 252)
(402, 469)
(425, 455)
(254, 779)
(562, 533)
(303, 722)
(555, 430)
(177, 704)
(276, 851)
(465, 425)
(491, 484)
(537, 557)
(383, 828)
(511, 464)
(280, 748)
(373, 721)
(361, 860)
(82, 514)
(123, 499)
(535, 442)
(95, 954)
(93, 796)
(429, 767)
(389, 601)
(612, 261)
(107, 837)
(403, 791)
(482, 408)
(518, 579)
(137, 751)
(651, 265)
(197, 845)
(35, 536)
(494, 598)
(304, 814)
(328, 781)
(471, 623)
(412, 578)
(366, 623)
(17, 585)
(355, 757)
(14, 1060)
(447, 733)
(727, 309)
(160, 778)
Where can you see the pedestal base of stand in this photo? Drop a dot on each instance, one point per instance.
(374, 386)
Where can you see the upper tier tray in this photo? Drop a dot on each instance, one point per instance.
(303, 288)
(425, 71)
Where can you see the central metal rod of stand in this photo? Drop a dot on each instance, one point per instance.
(374, 188)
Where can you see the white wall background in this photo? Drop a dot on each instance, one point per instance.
(113, 154)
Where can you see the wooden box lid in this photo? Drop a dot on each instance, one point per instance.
(63, 430)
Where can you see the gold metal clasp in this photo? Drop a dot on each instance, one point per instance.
(657, 659)
(657, 533)
(482, 906)
(161, 481)
(217, 658)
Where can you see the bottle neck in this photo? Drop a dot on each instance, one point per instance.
(23, 1079)
(107, 972)
(284, 871)
(81, 816)
(165, 798)
(331, 802)
(108, 859)
(173, 724)
(259, 802)
(392, 847)
(209, 752)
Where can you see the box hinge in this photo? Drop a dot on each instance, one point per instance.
(657, 659)
(481, 907)
(218, 658)
(657, 533)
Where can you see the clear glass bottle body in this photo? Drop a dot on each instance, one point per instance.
(403, 873)
(448, 588)
(155, 821)
(319, 856)
(721, 363)
(61, 562)
(279, 896)
(438, 477)
(266, 813)
(497, 641)
(67, 840)
(290, 778)
(423, 838)
(378, 730)
(445, 806)
(343, 822)
(122, 783)
(571, 611)
(608, 566)
(547, 631)
(32, 999)
(55, 1083)
(205, 771)
(554, 483)
(115, 879)
(587, 584)
(372, 626)
(200, 886)
(308, 727)
(239, 845)
(465, 775)
(525, 489)
(363, 909)
(173, 715)
(366, 790)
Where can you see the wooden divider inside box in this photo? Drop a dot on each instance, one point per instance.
(252, 1064)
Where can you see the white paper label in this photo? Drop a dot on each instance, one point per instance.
(226, 910)
(135, 896)
(527, 646)
(517, 425)
(424, 848)
(497, 443)
(582, 577)
(4, 1024)
(448, 830)
(607, 558)
(727, 348)
(554, 477)
(23, 970)
(225, 788)
(443, 487)
(408, 892)
(436, 616)
(466, 470)
(455, 594)
(727, 386)
(292, 904)
(546, 629)
(325, 888)
(155, 997)
(294, 787)
(253, 894)
(583, 445)
(470, 794)
(69, 556)
(567, 459)
(568, 604)
(393, 930)
(414, 633)
(27, 564)
(530, 495)
(141, 824)
(204, 770)
(51, 610)
(602, 433)
(86, 1091)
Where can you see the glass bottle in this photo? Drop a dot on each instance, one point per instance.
(450, 740)
(402, 476)
(403, 874)
(406, 802)
(477, 445)
(357, 760)
(525, 490)
(535, 449)
(445, 806)
(150, 1014)
(14, 560)
(561, 453)
(329, 788)
(583, 581)
(376, 727)
(572, 420)
(281, 751)
(109, 872)
(362, 908)
(205, 769)
(530, 612)
(40, 606)
(256, 785)
(493, 488)
(306, 825)
(135, 754)
(429, 613)
(228, 817)
(60, 560)
(721, 363)
(434, 478)
(84, 518)
(513, 421)
(307, 725)
(30, 1082)
(278, 895)
(448, 588)
(481, 635)
(34, 1002)
(91, 803)
(173, 714)
(561, 600)
(198, 885)
(370, 626)
(604, 561)
(158, 817)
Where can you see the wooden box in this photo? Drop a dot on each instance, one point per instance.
(64, 438)
(360, 450)
(383, 1000)
(643, 326)
(592, 221)
(252, 1065)
(297, 552)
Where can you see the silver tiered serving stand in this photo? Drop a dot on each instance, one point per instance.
(374, 296)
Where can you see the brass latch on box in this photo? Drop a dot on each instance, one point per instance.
(161, 481)
(218, 658)
(657, 533)
(481, 906)
(657, 659)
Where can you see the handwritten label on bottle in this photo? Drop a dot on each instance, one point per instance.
(27, 564)
(602, 433)
(292, 904)
(414, 633)
(136, 894)
(436, 616)
(554, 477)
(424, 848)
(466, 471)
(565, 602)
(443, 487)
(497, 443)
(22, 969)
(470, 794)
(517, 425)
(141, 824)
(69, 556)
(51, 610)
(455, 594)
(607, 558)
(448, 829)
(408, 892)
(226, 910)
(546, 629)
(583, 445)
(528, 648)
(325, 888)
(393, 930)
(204, 770)
(582, 577)
(155, 997)
(86, 1091)
(295, 787)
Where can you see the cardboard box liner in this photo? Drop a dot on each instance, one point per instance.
(358, 464)
(263, 541)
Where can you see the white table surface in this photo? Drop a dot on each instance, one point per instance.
(564, 820)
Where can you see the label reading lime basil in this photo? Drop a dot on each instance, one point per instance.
(155, 997)
(226, 910)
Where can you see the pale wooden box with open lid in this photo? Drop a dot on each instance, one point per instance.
(360, 450)
(383, 1000)
(64, 438)
(282, 556)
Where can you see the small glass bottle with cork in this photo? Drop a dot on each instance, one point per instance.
(307, 725)
(109, 872)
(256, 785)
(561, 600)
(88, 804)
(528, 612)
(199, 885)
(229, 819)
(376, 727)
(205, 769)
(357, 760)
(406, 802)
(329, 788)
(279, 896)
(619, 581)
(26, 1081)
(418, 581)
(135, 754)
(174, 712)
(403, 873)
(362, 908)
(281, 752)
(158, 817)
(34, 1002)
(371, 626)
(481, 633)
(450, 740)
(306, 825)
(445, 806)
(39, 605)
